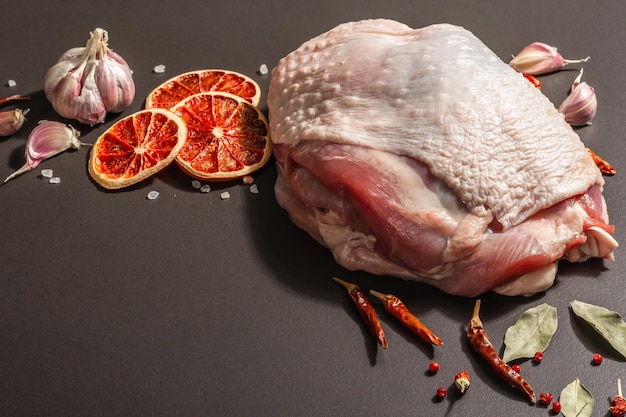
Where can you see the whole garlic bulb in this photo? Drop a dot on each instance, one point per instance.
(87, 82)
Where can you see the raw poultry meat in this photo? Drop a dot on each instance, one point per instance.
(419, 153)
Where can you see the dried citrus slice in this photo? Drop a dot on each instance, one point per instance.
(136, 147)
(227, 137)
(174, 90)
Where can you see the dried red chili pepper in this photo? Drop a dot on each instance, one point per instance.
(481, 343)
(618, 405)
(366, 310)
(399, 310)
(15, 97)
(604, 167)
(534, 80)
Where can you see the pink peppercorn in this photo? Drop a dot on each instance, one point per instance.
(538, 357)
(597, 359)
(434, 367)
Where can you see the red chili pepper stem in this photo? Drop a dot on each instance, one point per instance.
(398, 309)
(366, 310)
(462, 381)
(481, 343)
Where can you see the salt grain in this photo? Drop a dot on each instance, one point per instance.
(159, 69)
(196, 184)
(248, 179)
(254, 189)
(55, 180)
(205, 188)
(11, 83)
(46, 173)
(153, 195)
(225, 195)
(263, 69)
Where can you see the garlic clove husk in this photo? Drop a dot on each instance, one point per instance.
(72, 53)
(580, 106)
(540, 58)
(11, 121)
(87, 82)
(46, 140)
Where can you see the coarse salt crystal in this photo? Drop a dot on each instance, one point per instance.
(263, 69)
(205, 188)
(153, 195)
(196, 184)
(55, 180)
(225, 195)
(11, 83)
(254, 189)
(46, 173)
(159, 69)
(248, 179)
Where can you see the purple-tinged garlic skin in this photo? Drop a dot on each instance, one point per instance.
(540, 58)
(46, 140)
(88, 82)
(580, 106)
(11, 121)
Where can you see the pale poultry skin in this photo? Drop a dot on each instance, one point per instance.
(419, 153)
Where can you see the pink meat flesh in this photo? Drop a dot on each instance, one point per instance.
(414, 187)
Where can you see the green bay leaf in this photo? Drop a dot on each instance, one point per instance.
(609, 324)
(531, 333)
(576, 400)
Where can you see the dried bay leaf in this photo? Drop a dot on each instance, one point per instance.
(609, 324)
(576, 400)
(531, 333)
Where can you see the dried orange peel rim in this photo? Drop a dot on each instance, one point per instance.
(117, 182)
(225, 175)
(254, 100)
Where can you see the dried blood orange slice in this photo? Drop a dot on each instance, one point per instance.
(227, 137)
(174, 90)
(136, 147)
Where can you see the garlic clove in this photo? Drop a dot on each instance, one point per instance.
(62, 94)
(580, 106)
(11, 121)
(58, 72)
(115, 84)
(90, 106)
(540, 58)
(46, 140)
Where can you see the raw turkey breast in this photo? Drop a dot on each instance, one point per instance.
(418, 153)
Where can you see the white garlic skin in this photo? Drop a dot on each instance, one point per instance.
(11, 121)
(88, 82)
